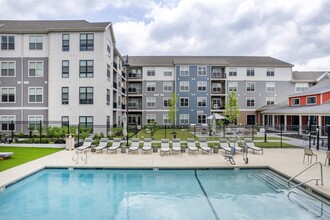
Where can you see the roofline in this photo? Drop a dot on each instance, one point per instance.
(309, 94)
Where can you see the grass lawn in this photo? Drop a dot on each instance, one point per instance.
(273, 145)
(23, 155)
(160, 134)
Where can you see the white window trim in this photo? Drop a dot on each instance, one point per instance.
(184, 69)
(42, 96)
(167, 84)
(202, 84)
(150, 116)
(313, 96)
(184, 116)
(7, 116)
(254, 86)
(231, 83)
(151, 85)
(203, 98)
(188, 85)
(154, 101)
(165, 116)
(273, 86)
(270, 99)
(36, 61)
(7, 88)
(251, 98)
(293, 100)
(201, 71)
(168, 99)
(180, 102)
(8, 61)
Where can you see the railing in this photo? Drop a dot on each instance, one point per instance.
(316, 179)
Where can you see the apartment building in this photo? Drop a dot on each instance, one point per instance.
(60, 71)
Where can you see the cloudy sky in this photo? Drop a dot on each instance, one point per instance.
(295, 31)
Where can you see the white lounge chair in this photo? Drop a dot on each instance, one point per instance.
(310, 154)
(233, 143)
(164, 146)
(103, 144)
(203, 145)
(87, 144)
(134, 145)
(5, 155)
(230, 156)
(250, 145)
(192, 145)
(115, 145)
(224, 145)
(147, 144)
(176, 145)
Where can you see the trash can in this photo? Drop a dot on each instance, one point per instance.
(69, 142)
(215, 149)
(174, 134)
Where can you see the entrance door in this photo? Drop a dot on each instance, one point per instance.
(250, 120)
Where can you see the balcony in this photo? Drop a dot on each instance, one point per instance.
(114, 65)
(218, 75)
(218, 91)
(123, 90)
(134, 91)
(123, 107)
(134, 76)
(135, 106)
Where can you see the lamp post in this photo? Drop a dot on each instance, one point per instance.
(126, 65)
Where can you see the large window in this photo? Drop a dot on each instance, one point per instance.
(184, 102)
(216, 103)
(216, 87)
(270, 72)
(250, 102)
(36, 69)
(65, 42)
(184, 119)
(201, 119)
(108, 96)
(201, 101)
(86, 69)
(232, 86)
(7, 43)
(184, 70)
(65, 120)
(7, 69)
(232, 71)
(250, 72)
(35, 95)
(166, 120)
(270, 86)
(201, 86)
(301, 87)
(311, 100)
(295, 101)
(108, 71)
(35, 42)
(166, 101)
(8, 95)
(151, 118)
(65, 95)
(108, 48)
(151, 102)
(184, 86)
(250, 86)
(65, 68)
(201, 71)
(86, 122)
(86, 95)
(167, 87)
(8, 122)
(270, 101)
(151, 86)
(86, 42)
(151, 72)
(167, 71)
(35, 122)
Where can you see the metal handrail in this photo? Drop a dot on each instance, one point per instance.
(316, 179)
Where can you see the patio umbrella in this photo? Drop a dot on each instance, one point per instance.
(216, 116)
(125, 133)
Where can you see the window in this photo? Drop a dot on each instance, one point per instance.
(8, 122)
(232, 86)
(8, 95)
(201, 86)
(167, 71)
(108, 71)
(201, 71)
(184, 86)
(151, 72)
(311, 100)
(35, 122)
(65, 95)
(216, 103)
(301, 87)
(86, 42)
(270, 86)
(201, 119)
(250, 86)
(216, 87)
(86, 69)
(184, 119)
(295, 101)
(7, 43)
(250, 72)
(270, 72)
(35, 95)
(65, 42)
(151, 86)
(8, 69)
(250, 102)
(216, 72)
(86, 95)
(108, 96)
(151, 118)
(167, 87)
(201, 101)
(270, 101)
(232, 72)
(166, 101)
(184, 102)
(36, 69)
(35, 42)
(184, 70)
(250, 119)
(166, 120)
(65, 68)
(151, 102)
(86, 122)
(108, 48)
(65, 120)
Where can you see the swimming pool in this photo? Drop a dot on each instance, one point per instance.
(157, 194)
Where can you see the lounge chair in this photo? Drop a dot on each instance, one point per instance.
(87, 144)
(203, 145)
(310, 154)
(103, 144)
(233, 143)
(147, 145)
(5, 155)
(191, 145)
(250, 145)
(164, 146)
(134, 145)
(176, 145)
(327, 157)
(230, 156)
(224, 145)
(115, 145)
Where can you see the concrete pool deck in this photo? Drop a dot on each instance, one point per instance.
(286, 161)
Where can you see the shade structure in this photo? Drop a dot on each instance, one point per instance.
(216, 116)
(125, 126)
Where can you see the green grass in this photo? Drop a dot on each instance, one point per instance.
(23, 155)
(273, 145)
(160, 134)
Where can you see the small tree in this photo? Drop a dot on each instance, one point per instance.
(231, 109)
(151, 128)
(172, 109)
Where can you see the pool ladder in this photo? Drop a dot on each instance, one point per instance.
(75, 157)
(316, 179)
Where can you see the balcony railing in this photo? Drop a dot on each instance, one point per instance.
(218, 75)
(216, 91)
(135, 106)
(134, 76)
(134, 91)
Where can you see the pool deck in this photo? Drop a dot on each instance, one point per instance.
(286, 161)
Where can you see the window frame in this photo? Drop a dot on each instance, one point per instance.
(201, 101)
(36, 63)
(36, 42)
(152, 101)
(166, 100)
(168, 71)
(232, 71)
(36, 89)
(184, 70)
(89, 44)
(7, 122)
(151, 72)
(7, 45)
(293, 101)
(65, 69)
(270, 72)
(151, 117)
(87, 73)
(270, 99)
(36, 121)
(184, 117)
(151, 86)
(87, 123)
(185, 101)
(201, 118)
(184, 86)
(8, 68)
(201, 86)
(250, 72)
(201, 71)
(250, 86)
(86, 93)
(65, 42)
(65, 100)
(249, 101)
(166, 86)
(309, 98)
(230, 86)
(269, 88)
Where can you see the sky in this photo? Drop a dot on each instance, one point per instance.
(295, 31)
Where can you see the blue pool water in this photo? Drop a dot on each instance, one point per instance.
(161, 194)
